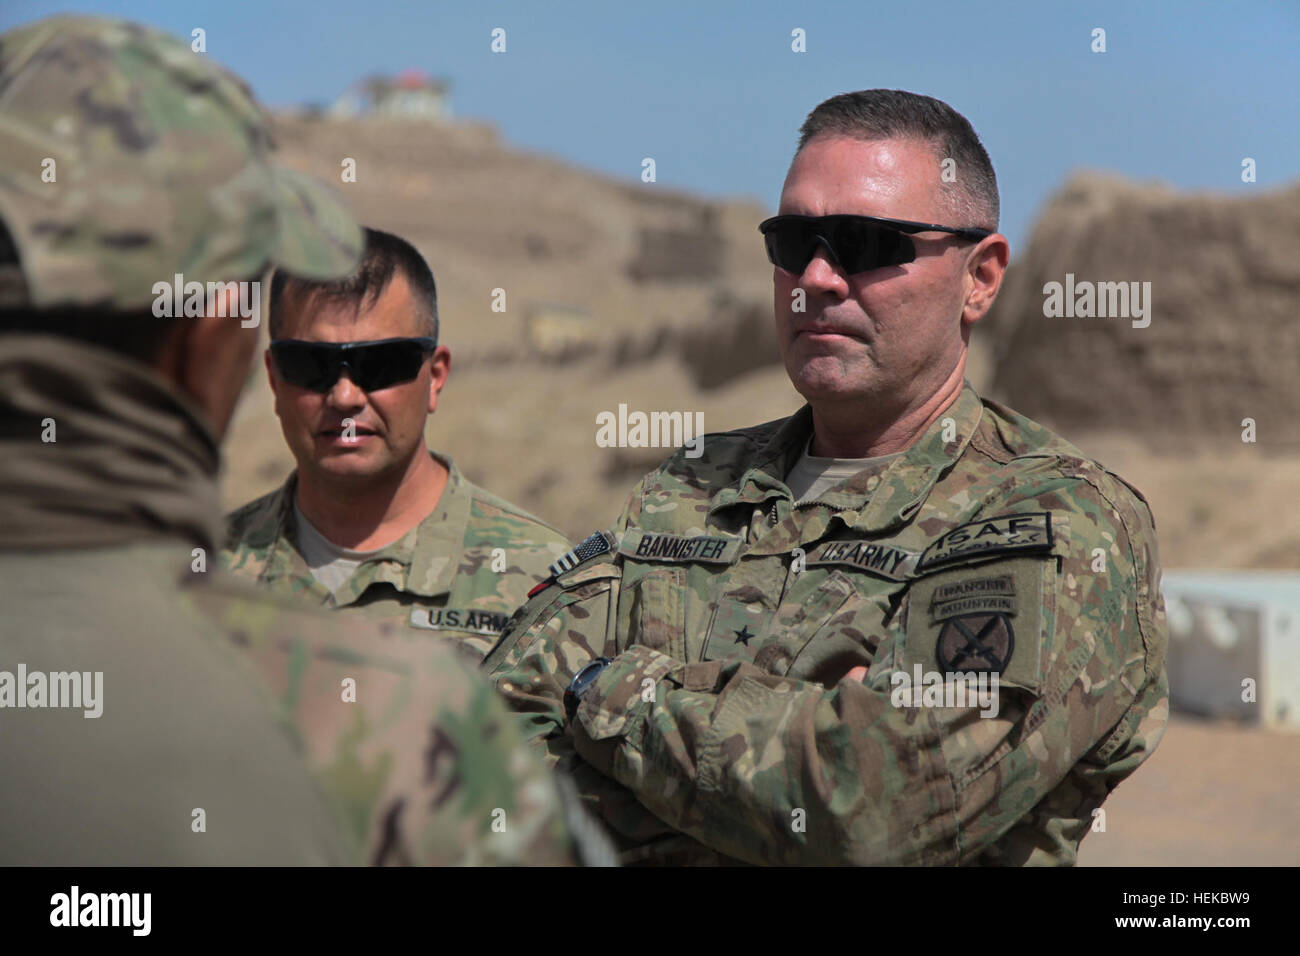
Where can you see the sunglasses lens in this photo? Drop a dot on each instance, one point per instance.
(371, 367)
(790, 245)
(855, 244)
(864, 246)
(374, 367)
(306, 366)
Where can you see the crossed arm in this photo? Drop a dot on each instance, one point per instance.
(768, 769)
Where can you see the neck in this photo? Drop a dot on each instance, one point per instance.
(375, 513)
(99, 450)
(850, 430)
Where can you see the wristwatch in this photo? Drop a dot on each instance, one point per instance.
(581, 681)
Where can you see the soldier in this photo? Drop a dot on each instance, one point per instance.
(152, 710)
(904, 625)
(372, 520)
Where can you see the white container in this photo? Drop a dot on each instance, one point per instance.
(1228, 628)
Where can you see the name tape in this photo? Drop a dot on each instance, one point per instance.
(661, 546)
(887, 561)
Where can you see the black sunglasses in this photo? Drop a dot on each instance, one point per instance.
(371, 365)
(856, 243)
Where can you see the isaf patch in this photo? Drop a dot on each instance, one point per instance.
(1006, 534)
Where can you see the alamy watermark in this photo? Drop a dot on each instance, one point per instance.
(76, 908)
(1102, 300)
(193, 299)
(651, 430)
(70, 689)
(924, 688)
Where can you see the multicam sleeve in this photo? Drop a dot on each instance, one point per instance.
(559, 631)
(551, 639)
(769, 769)
(418, 755)
(631, 512)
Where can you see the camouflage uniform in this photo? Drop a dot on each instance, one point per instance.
(438, 578)
(232, 729)
(732, 618)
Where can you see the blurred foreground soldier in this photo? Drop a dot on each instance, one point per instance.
(372, 520)
(153, 711)
(904, 625)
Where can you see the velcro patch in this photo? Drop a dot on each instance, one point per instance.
(459, 619)
(1031, 531)
(988, 618)
(661, 546)
(896, 564)
(592, 546)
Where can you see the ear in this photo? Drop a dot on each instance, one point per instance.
(209, 357)
(440, 369)
(985, 269)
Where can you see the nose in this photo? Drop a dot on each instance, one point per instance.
(823, 275)
(345, 395)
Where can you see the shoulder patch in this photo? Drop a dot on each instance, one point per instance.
(981, 619)
(661, 546)
(1005, 534)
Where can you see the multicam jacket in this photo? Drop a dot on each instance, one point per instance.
(458, 574)
(989, 548)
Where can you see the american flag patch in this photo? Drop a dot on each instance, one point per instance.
(591, 547)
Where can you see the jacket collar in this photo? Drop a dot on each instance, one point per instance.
(870, 502)
(422, 562)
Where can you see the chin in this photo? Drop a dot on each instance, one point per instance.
(831, 396)
(344, 466)
(821, 384)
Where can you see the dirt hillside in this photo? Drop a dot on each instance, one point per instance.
(1222, 340)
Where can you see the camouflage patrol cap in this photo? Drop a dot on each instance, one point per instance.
(159, 161)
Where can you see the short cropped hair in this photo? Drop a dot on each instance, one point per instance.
(384, 255)
(872, 115)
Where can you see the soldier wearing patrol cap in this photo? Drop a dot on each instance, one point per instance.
(153, 711)
(904, 625)
(372, 521)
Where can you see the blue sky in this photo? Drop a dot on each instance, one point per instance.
(714, 93)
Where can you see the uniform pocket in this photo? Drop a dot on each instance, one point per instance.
(658, 612)
(801, 629)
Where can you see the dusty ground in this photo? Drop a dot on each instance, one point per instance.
(1213, 794)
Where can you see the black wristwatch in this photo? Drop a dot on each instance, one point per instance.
(581, 681)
